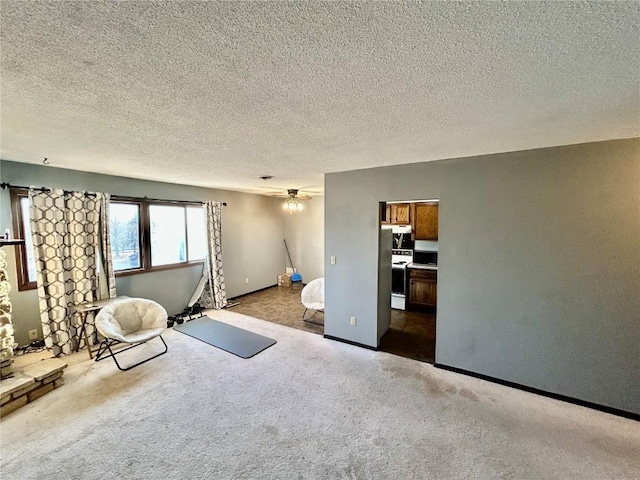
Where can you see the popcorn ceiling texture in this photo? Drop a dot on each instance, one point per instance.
(218, 93)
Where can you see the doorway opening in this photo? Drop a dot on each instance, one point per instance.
(414, 278)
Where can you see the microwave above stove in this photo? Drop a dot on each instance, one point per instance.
(425, 258)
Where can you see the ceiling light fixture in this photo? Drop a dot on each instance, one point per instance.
(293, 203)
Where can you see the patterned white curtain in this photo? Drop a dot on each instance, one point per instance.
(214, 294)
(107, 274)
(70, 233)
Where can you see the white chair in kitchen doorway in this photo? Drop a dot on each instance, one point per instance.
(312, 297)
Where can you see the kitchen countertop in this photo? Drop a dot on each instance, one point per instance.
(421, 266)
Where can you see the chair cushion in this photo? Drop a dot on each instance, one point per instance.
(312, 295)
(142, 335)
(132, 320)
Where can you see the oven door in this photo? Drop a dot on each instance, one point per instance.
(398, 281)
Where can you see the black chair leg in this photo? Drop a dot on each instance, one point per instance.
(107, 343)
(308, 320)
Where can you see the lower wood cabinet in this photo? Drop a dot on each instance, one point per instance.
(423, 289)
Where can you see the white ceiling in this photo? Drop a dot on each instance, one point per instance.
(218, 93)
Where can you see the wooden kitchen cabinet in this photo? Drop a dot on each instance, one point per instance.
(423, 289)
(400, 214)
(426, 221)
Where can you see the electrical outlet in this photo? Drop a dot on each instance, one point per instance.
(246, 280)
(33, 334)
(353, 321)
(333, 260)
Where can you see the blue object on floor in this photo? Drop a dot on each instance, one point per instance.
(296, 277)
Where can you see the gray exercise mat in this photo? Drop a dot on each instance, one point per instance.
(232, 339)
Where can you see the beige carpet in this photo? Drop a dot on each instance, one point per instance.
(306, 408)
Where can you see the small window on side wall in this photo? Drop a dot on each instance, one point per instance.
(25, 258)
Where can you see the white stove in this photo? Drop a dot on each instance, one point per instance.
(400, 258)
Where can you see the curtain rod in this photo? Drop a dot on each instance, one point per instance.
(40, 189)
(4, 186)
(224, 204)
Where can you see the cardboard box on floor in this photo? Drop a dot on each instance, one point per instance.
(284, 280)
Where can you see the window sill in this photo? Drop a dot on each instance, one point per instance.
(23, 287)
(126, 273)
(160, 268)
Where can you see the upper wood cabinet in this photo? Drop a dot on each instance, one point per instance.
(400, 214)
(423, 218)
(426, 221)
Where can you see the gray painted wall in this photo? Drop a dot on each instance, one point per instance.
(304, 232)
(252, 233)
(539, 264)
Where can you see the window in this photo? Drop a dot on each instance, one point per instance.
(25, 259)
(196, 233)
(145, 235)
(149, 235)
(26, 235)
(169, 242)
(124, 222)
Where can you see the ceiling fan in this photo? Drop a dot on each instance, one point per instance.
(292, 193)
(293, 202)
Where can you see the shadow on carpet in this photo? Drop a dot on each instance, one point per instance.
(242, 343)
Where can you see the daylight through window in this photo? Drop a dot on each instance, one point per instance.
(145, 235)
(124, 220)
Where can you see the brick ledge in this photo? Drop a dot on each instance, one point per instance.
(30, 383)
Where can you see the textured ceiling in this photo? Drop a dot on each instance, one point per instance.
(216, 94)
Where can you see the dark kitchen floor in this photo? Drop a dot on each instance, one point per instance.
(411, 335)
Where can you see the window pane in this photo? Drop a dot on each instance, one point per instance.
(168, 242)
(124, 219)
(196, 233)
(26, 225)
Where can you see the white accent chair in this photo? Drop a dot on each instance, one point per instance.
(312, 297)
(134, 321)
